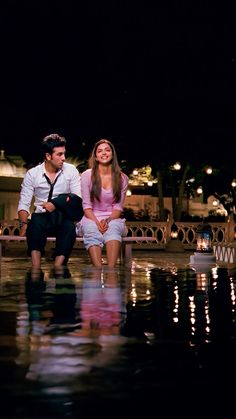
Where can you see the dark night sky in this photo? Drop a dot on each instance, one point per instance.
(149, 75)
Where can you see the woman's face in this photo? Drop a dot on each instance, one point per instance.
(104, 153)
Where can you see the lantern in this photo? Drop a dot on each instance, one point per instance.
(174, 232)
(203, 236)
(174, 244)
(204, 255)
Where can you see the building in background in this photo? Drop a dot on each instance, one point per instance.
(12, 171)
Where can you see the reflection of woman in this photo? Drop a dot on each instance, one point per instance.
(103, 188)
(101, 304)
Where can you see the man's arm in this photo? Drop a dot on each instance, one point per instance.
(26, 196)
(23, 221)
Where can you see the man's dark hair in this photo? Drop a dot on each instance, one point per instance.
(50, 142)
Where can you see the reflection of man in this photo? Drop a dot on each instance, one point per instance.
(51, 302)
(64, 301)
(34, 291)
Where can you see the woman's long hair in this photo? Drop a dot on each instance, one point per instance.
(95, 176)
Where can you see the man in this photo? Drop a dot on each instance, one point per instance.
(41, 185)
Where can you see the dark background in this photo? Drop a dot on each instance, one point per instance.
(155, 77)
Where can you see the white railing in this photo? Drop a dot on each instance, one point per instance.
(161, 230)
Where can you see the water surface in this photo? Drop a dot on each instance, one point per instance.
(122, 342)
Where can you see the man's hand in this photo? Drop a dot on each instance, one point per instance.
(49, 206)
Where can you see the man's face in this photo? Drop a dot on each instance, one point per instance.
(57, 158)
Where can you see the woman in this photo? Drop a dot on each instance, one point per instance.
(103, 189)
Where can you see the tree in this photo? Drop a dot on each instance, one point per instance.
(160, 195)
(182, 188)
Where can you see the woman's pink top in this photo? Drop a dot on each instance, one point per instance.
(103, 208)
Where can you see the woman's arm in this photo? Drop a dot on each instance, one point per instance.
(88, 212)
(114, 215)
(118, 206)
(87, 203)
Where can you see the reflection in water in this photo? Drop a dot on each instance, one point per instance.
(101, 306)
(114, 333)
(71, 328)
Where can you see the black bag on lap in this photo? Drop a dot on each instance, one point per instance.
(70, 205)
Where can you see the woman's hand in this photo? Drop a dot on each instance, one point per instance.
(103, 226)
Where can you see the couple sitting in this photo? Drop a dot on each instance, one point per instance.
(62, 196)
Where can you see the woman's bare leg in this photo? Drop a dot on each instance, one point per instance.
(113, 251)
(95, 253)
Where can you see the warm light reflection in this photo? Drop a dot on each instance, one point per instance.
(199, 307)
(232, 294)
(176, 304)
(192, 308)
(202, 281)
(133, 294)
(148, 294)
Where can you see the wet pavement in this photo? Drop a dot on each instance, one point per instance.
(156, 339)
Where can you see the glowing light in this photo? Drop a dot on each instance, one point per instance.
(209, 170)
(177, 166)
(199, 190)
(215, 203)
